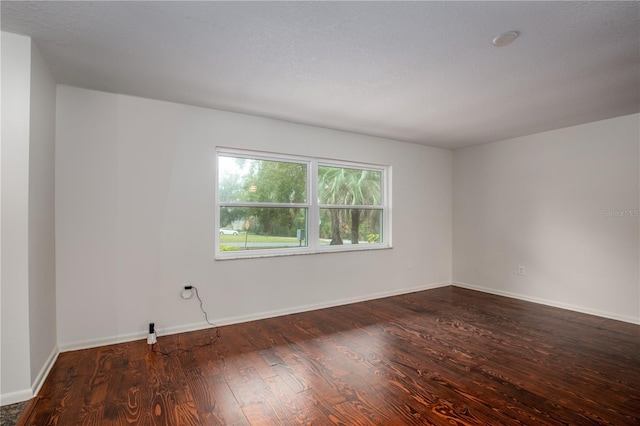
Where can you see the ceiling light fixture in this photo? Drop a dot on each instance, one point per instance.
(505, 39)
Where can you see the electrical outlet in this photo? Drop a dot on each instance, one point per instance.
(186, 291)
(520, 270)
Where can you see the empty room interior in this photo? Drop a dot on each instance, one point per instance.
(257, 213)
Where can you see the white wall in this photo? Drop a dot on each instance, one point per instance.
(541, 201)
(15, 383)
(42, 284)
(135, 219)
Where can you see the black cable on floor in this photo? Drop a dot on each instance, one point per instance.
(213, 340)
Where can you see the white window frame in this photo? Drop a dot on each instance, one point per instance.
(311, 204)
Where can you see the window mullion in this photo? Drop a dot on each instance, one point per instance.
(265, 205)
(314, 212)
(350, 206)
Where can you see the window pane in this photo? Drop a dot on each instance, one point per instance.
(350, 226)
(343, 186)
(261, 181)
(268, 228)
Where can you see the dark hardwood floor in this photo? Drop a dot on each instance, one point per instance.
(446, 356)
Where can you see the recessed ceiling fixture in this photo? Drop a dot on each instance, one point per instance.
(505, 39)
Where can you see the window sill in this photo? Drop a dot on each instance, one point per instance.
(256, 254)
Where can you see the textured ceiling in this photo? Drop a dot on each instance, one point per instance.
(423, 72)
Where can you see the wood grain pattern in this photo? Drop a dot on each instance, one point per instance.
(446, 356)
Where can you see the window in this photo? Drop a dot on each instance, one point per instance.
(350, 203)
(271, 205)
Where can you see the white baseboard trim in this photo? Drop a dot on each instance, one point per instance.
(44, 372)
(15, 397)
(103, 341)
(164, 331)
(297, 310)
(548, 302)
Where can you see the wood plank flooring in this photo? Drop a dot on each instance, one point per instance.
(447, 356)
